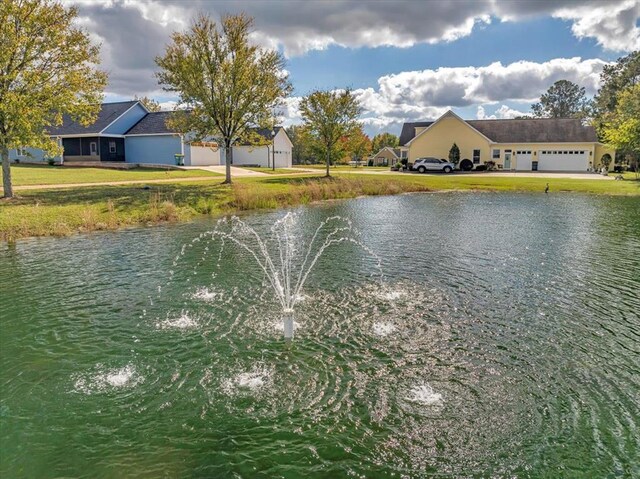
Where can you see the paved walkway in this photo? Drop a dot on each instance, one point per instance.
(235, 172)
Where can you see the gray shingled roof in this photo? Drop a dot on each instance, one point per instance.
(108, 113)
(263, 132)
(538, 130)
(409, 130)
(152, 123)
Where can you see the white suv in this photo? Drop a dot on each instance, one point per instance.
(432, 164)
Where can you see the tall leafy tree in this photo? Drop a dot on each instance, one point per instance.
(622, 127)
(564, 99)
(359, 144)
(330, 116)
(615, 78)
(47, 70)
(227, 82)
(302, 150)
(384, 139)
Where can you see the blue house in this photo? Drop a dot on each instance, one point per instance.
(103, 140)
(127, 132)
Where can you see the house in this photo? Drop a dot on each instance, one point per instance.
(388, 156)
(128, 132)
(102, 141)
(278, 152)
(545, 144)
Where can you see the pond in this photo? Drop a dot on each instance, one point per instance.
(498, 337)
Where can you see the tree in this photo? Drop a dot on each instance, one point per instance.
(564, 99)
(228, 83)
(358, 145)
(614, 79)
(46, 71)
(382, 140)
(454, 154)
(330, 116)
(622, 127)
(149, 103)
(302, 151)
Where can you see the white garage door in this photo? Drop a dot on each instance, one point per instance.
(205, 155)
(563, 160)
(523, 160)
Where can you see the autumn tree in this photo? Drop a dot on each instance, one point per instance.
(149, 103)
(46, 71)
(228, 84)
(359, 145)
(564, 99)
(382, 140)
(330, 116)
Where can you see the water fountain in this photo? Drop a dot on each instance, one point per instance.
(284, 259)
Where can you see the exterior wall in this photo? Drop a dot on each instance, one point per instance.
(262, 155)
(34, 154)
(383, 155)
(600, 150)
(439, 138)
(203, 156)
(153, 149)
(535, 148)
(126, 121)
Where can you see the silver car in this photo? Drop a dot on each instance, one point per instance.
(432, 164)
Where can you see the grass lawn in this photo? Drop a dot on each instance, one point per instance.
(62, 212)
(344, 167)
(48, 175)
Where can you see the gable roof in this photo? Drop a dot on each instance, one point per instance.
(109, 112)
(531, 130)
(394, 151)
(409, 130)
(154, 123)
(264, 133)
(538, 130)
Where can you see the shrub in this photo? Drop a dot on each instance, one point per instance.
(489, 165)
(51, 161)
(481, 167)
(454, 154)
(370, 163)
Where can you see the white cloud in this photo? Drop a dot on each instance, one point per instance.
(613, 25)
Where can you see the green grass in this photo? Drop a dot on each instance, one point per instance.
(49, 175)
(59, 212)
(362, 167)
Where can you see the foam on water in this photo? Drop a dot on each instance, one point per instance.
(183, 322)
(105, 380)
(248, 382)
(204, 294)
(383, 329)
(393, 295)
(425, 395)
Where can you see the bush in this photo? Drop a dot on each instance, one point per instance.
(398, 165)
(490, 165)
(370, 163)
(51, 161)
(481, 168)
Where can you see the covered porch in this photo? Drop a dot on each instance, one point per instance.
(92, 148)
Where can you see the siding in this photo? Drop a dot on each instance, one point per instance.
(126, 121)
(155, 150)
(36, 155)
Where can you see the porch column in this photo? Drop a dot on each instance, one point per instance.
(59, 140)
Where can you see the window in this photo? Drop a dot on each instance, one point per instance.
(496, 154)
(22, 151)
(476, 157)
(403, 154)
(112, 147)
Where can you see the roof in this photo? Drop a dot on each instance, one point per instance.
(409, 130)
(153, 123)
(395, 151)
(538, 130)
(109, 112)
(531, 130)
(263, 132)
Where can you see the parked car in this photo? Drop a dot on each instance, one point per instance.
(423, 165)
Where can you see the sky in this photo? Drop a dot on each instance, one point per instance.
(405, 60)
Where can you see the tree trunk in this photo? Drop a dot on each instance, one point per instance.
(228, 153)
(328, 160)
(6, 174)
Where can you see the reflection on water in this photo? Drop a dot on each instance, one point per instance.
(502, 342)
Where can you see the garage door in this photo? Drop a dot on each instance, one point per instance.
(523, 160)
(563, 160)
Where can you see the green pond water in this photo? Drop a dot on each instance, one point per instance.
(502, 340)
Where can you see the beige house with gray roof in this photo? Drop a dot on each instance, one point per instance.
(546, 144)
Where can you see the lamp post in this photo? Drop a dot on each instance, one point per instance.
(273, 150)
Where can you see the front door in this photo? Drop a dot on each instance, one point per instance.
(507, 161)
(93, 147)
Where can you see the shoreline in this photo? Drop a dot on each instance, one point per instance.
(60, 212)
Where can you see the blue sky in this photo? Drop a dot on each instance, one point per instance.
(405, 60)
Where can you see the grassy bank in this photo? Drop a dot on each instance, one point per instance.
(66, 211)
(23, 175)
